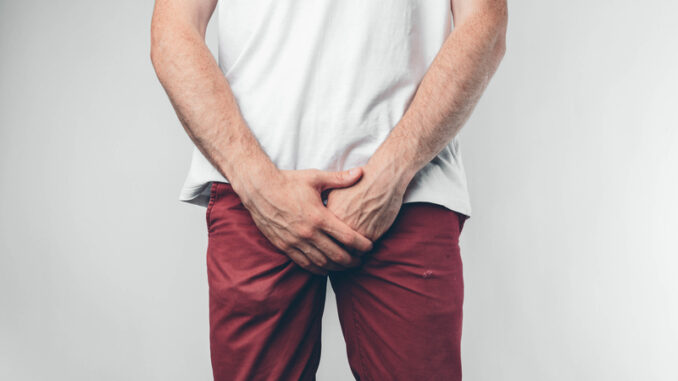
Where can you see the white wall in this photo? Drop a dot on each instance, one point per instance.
(570, 257)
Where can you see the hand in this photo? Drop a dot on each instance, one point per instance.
(288, 209)
(371, 206)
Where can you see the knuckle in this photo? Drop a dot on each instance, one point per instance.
(287, 246)
(348, 238)
(293, 242)
(305, 233)
(322, 261)
(316, 220)
(338, 257)
(304, 263)
(313, 174)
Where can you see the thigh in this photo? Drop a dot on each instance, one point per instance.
(401, 311)
(265, 311)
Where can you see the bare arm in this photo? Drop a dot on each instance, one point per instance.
(450, 89)
(443, 102)
(286, 205)
(200, 93)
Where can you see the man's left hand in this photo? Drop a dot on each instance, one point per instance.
(370, 207)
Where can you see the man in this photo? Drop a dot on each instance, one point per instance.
(325, 146)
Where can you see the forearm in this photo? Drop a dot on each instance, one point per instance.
(204, 103)
(444, 99)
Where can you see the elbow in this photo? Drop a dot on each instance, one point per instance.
(155, 50)
(156, 59)
(154, 56)
(158, 44)
(500, 47)
(491, 23)
(501, 24)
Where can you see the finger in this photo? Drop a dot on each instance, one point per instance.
(343, 233)
(333, 251)
(318, 258)
(328, 180)
(302, 261)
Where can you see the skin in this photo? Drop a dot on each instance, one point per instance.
(286, 205)
(442, 104)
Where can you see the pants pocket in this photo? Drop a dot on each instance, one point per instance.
(210, 205)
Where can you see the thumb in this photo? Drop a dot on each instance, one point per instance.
(326, 180)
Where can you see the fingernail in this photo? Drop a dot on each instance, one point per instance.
(353, 172)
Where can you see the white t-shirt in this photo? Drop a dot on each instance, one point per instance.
(322, 82)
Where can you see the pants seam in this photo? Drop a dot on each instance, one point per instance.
(357, 337)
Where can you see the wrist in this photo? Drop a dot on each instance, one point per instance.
(399, 156)
(394, 170)
(254, 178)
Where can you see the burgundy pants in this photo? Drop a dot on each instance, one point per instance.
(400, 311)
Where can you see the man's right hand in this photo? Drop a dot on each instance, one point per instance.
(288, 209)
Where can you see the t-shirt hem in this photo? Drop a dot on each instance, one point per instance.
(195, 195)
(455, 205)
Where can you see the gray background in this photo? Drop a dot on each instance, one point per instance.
(570, 258)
